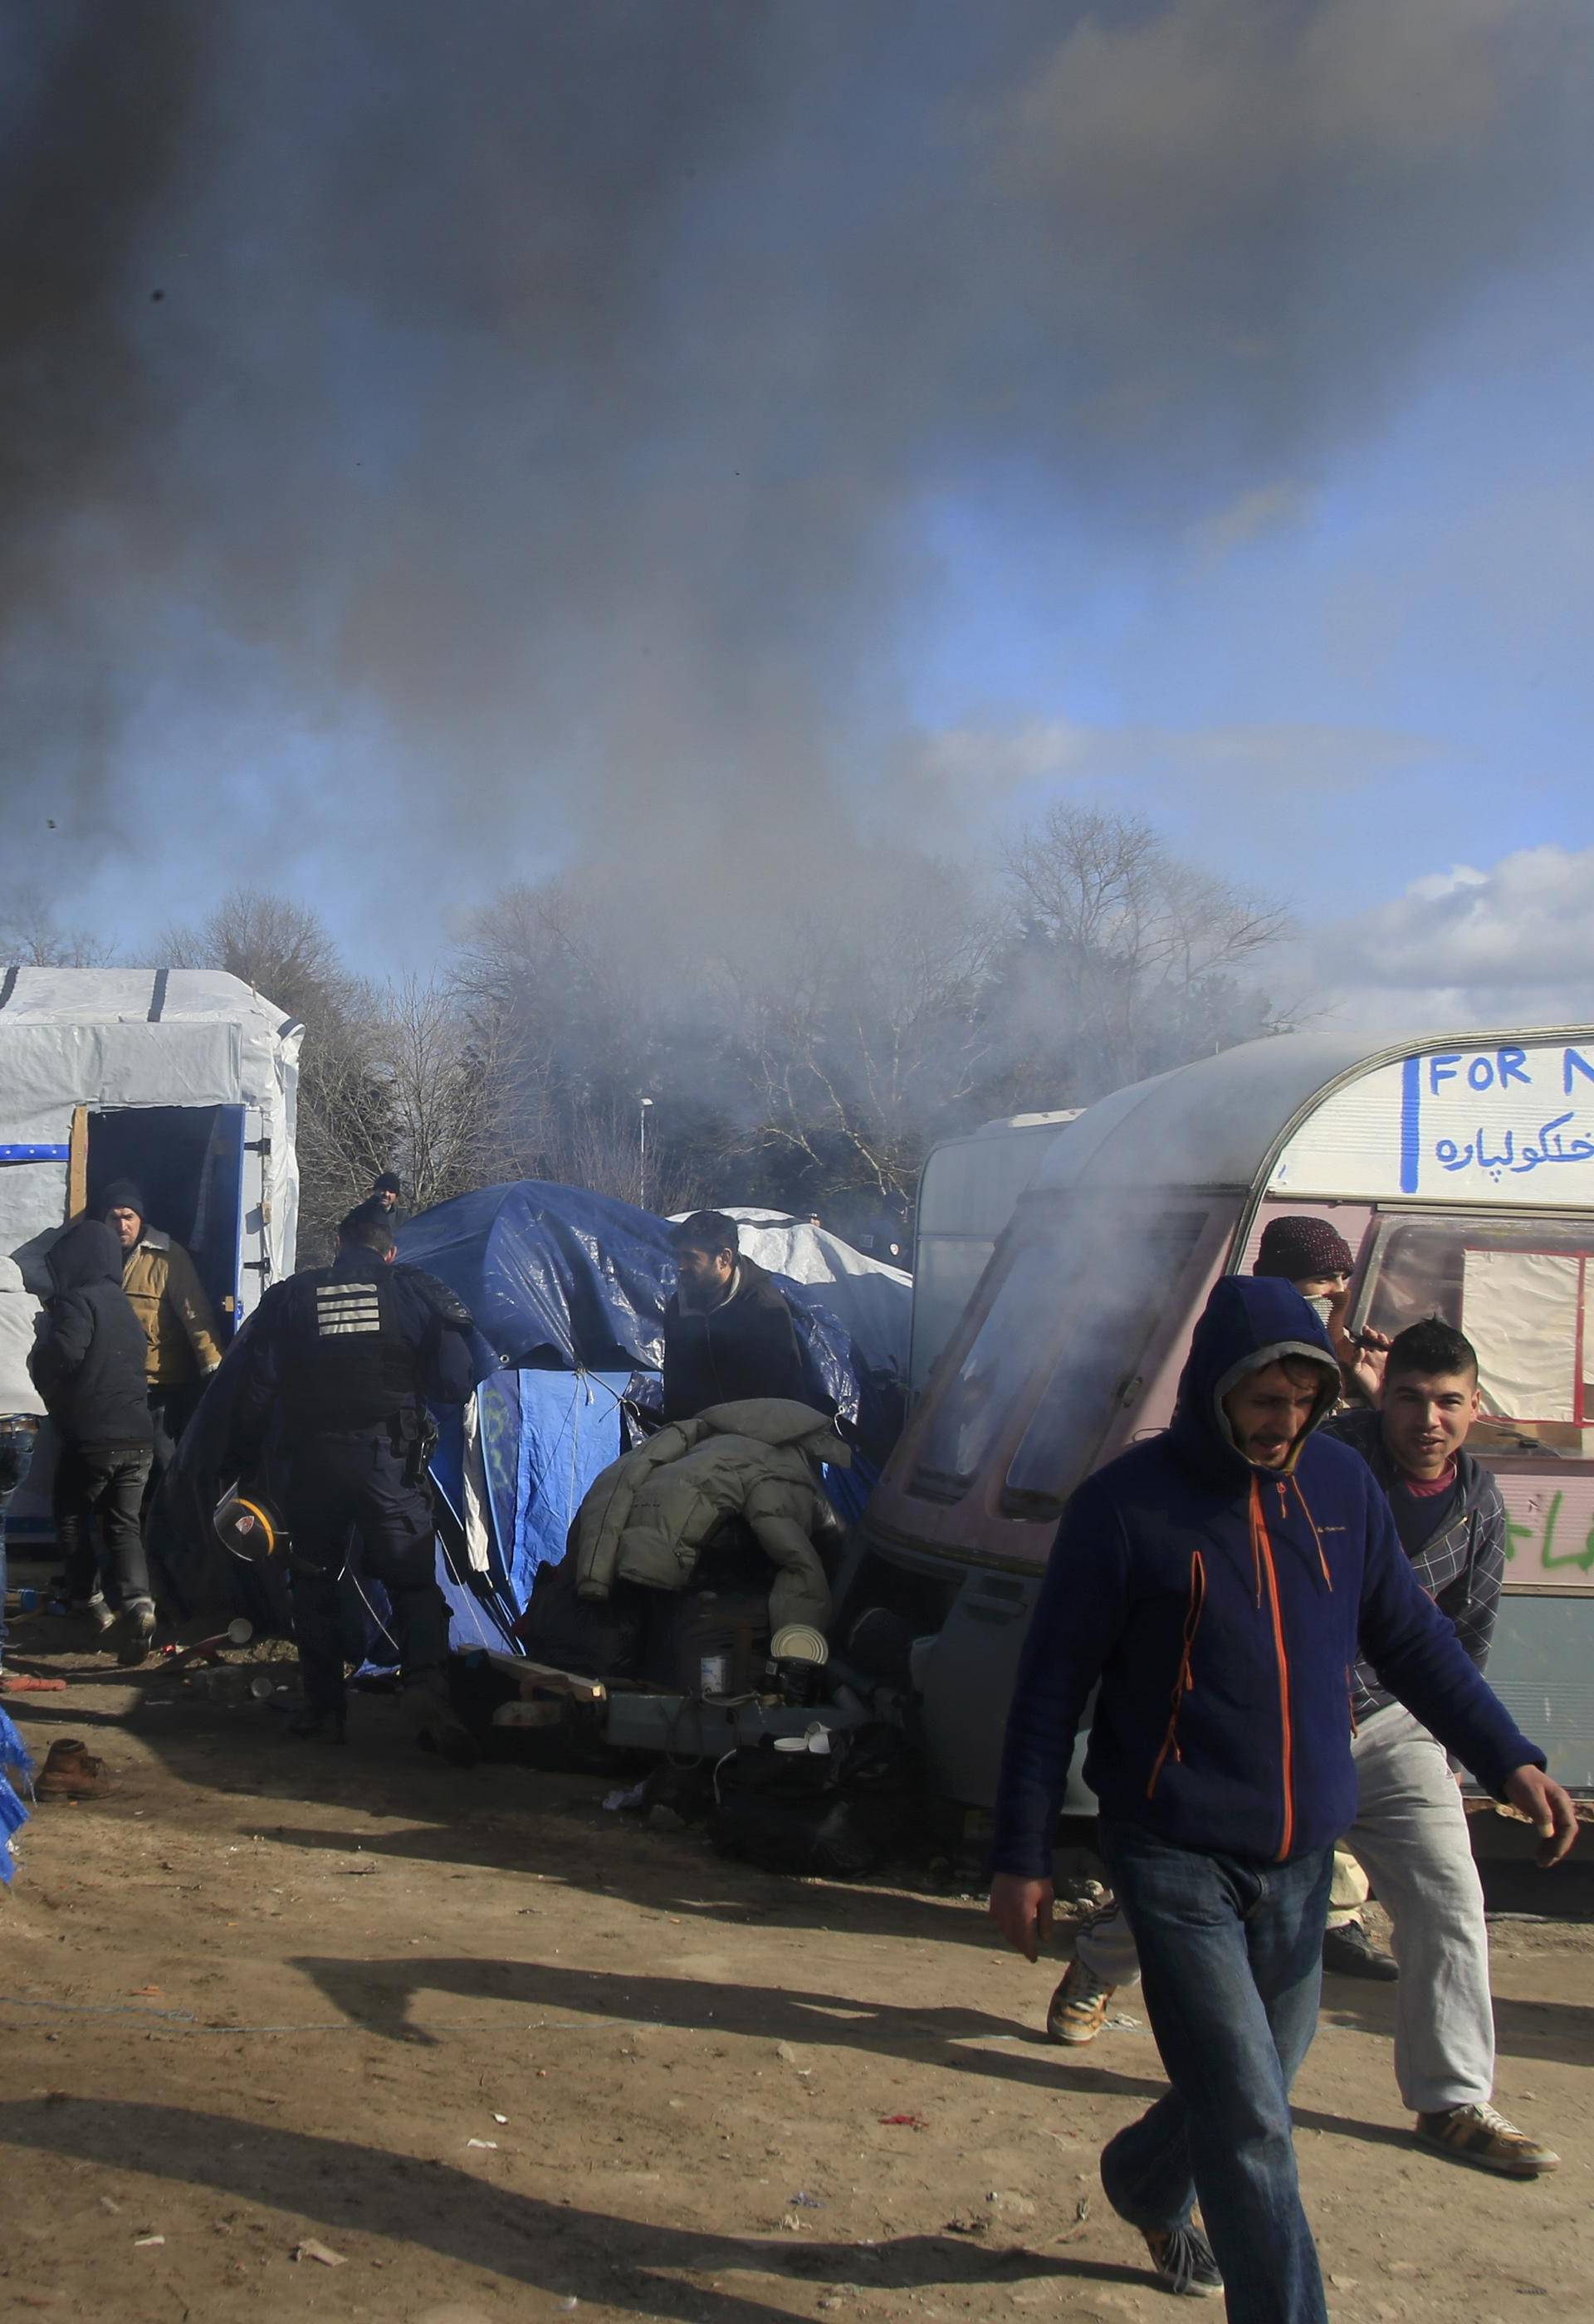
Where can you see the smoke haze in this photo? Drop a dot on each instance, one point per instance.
(442, 443)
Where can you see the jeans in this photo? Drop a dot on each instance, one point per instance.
(105, 1482)
(1230, 1964)
(16, 1455)
(1411, 1833)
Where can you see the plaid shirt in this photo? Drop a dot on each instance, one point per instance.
(1459, 1565)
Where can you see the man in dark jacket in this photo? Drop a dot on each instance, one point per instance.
(341, 1361)
(728, 1333)
(87, 1363)
(1219, 1581)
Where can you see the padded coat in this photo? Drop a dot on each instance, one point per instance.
(647, 1517)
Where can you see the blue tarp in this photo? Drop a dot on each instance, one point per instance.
(558, 1278)
(543, 1437)
(568, 1290)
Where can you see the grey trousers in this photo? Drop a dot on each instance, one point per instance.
(1411, 1833)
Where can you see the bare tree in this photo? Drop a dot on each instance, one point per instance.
(1123, 960)
(861, 1035)
(31, 937)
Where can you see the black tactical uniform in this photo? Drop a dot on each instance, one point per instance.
(341, 1357)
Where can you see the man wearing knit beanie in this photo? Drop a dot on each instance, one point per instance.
(1307, 1252)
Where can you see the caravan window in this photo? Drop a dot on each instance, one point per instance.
(1077, 1298)
(1017, 1335)
(1120, 1288)
(1519, 1288)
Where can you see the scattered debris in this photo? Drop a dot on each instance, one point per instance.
(906, 2121)
(146, 2243)
(968, 2223)
(490, 2145)
(803, 2201)
(107, 2204)
(500, 2118)
(322, 2252)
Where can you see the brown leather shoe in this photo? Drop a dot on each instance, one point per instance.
(70, 1772)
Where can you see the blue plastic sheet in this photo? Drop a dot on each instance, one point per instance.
(16, 1763)
(557, 1277)
(568, 1290)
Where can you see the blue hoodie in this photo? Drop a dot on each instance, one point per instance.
(1224, 1607)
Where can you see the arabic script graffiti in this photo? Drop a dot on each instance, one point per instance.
(1551, 1144)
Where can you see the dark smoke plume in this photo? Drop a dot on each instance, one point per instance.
(439, 441)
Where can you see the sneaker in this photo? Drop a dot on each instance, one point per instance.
(1078, 2006)
(94, 1611)
(70, 1773)
(138, 1637)
(1181, 2259)
(1350, 1951)
(1482, 2136)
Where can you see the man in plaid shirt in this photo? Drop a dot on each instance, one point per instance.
(1411, 1831)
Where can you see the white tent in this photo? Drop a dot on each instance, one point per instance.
(874, 1302)
(183, 1079)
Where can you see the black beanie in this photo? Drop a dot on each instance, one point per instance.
(124, 1194)
(1299, 1248)
(387, 1184)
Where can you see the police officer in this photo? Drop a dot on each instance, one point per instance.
(341, 1358)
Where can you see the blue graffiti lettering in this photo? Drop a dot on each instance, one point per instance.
(1513, 1065)
(1443, 1069)
(1573, 1061)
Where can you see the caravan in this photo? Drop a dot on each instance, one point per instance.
(1462, 1174)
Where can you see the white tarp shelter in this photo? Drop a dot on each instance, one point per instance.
(181, 1079)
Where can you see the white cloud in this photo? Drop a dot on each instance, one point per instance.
(1507, 947)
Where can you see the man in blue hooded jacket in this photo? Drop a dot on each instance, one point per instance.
(1221, 1581)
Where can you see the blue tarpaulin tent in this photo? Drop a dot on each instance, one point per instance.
(568, 1291)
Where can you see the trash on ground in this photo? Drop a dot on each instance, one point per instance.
(906, 2121)
(322, 2252)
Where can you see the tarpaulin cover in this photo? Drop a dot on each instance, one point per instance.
(15, 1764)
(568, 1290)
(557, 1276)
(873, 1301)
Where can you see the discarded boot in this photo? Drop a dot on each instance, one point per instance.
(71, 1772)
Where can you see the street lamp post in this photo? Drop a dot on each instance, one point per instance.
(644, 1109)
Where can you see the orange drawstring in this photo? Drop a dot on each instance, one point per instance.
(1317, 1537)
(1184, 1683)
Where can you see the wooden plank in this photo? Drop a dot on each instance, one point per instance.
(78, 1164)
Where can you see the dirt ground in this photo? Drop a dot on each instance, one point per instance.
(503, 2053)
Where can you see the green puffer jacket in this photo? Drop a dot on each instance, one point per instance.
(649, 1514)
